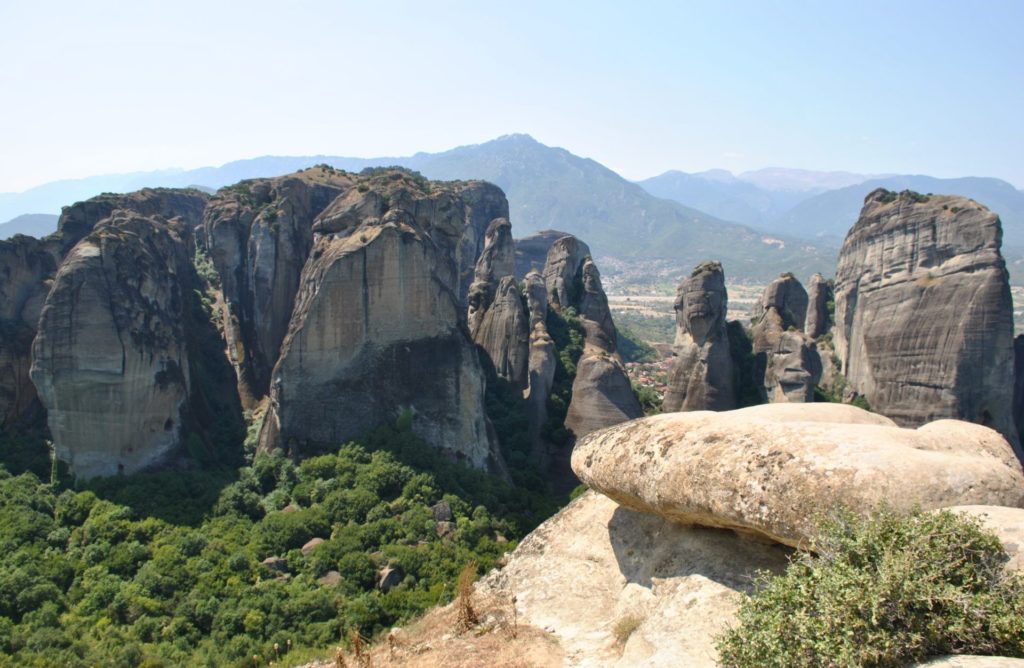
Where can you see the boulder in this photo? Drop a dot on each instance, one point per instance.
(819, 318)
(275, 563)
(924, 319)
(330, 579)
(702, 375)
(442, 512)
(771, 470)
(311, 545)
(972, 661)
(389, 577)
(619, 588)
(1007, 524)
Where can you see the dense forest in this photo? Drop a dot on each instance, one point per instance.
(207, 567)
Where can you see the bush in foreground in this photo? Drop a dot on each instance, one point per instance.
(884, 591)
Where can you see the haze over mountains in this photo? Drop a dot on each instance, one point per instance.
(757, 223)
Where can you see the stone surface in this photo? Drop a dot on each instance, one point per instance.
(563, 272)
(258, 234)
(787, 297)
(311, 545)
(924, 320)
(599, 329)
(702, 373)
(26, 265)
(330, 579)
(110, 360)
(601, 395)
(532, 251)
(771, 469)
(596, 566)
(970, 661)
(1007, 524)
(389, 577)
(786, 363)
(497, 317)
(378, 325)
(819, 294)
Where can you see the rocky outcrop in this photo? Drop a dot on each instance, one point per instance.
(787, 298)
(26, 265)
(1018, 383)
(601, 392)
(79, 219)
(768, 469)
(619, 588)
(702, 374)
(786, 364)
(110, 360)
(258, 234)
(532, 251)
(541, 365)
(924, 326)
(819, 299)
(497, 316)
(378, 325)
(563, 272)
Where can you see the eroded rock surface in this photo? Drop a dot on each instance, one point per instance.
(819, 295)
(1007, 524)
(772, 469)
(532, 251)
(378, 328)
(563, 272)
(924, 326)
(110, 359)
(786, 363)
(702, 374)
(596, 568)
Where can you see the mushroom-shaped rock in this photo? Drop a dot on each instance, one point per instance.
(772, 469)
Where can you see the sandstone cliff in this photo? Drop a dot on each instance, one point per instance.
(111, 360)
(702, 374)
(924, 324)
(378, 326)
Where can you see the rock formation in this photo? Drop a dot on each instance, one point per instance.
(258, 234)
(378, 327)
(702, 374)
(818, 298)
(924, 326)
(601, 392)
(532, 251)
(541, 366)
(768, 469)
(110, 360)
(1007, 524)
(787, 366)
(596, 566)
(497, 317)
(26, 264)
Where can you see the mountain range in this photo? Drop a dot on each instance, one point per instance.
(758, 223)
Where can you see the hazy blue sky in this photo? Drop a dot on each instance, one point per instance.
(923, 87)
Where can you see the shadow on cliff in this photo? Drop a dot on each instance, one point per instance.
(648, 547)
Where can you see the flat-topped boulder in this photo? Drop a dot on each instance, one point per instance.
(772, 470)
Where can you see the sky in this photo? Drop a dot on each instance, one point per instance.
(100, 87)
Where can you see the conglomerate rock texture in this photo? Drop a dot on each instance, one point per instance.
(924, 319)
(702, 374)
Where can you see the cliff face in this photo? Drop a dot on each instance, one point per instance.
(26, 265)
(601, 392)
(109, 361)
(924, 324)
(258, 235)
(378, 326)
(702, 375)
(819, 295)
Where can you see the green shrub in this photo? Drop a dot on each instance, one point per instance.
(888, 590)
